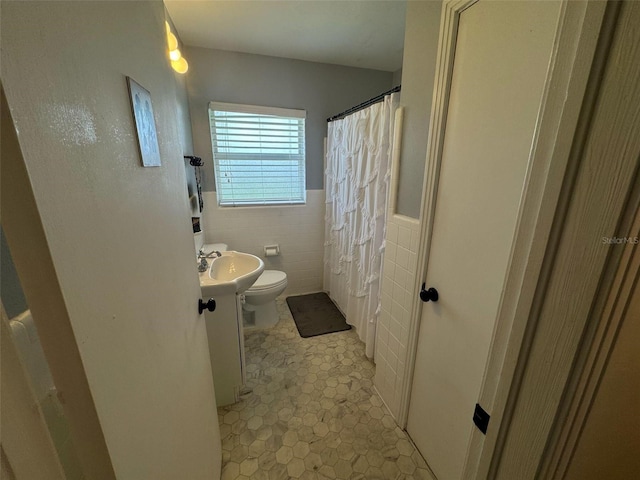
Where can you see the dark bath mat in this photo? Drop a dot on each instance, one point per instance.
(315, 314)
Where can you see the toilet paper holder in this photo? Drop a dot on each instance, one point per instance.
(271, 250)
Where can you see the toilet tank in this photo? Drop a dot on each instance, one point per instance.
(25, 337)
(214, 247)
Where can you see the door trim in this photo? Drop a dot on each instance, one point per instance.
(610, 310)
(546, 193)
(579, 273)
(572, 56)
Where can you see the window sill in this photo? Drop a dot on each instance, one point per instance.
(263, 205)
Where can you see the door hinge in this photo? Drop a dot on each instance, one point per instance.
(481, 418)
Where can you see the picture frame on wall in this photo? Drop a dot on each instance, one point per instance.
(145, 124)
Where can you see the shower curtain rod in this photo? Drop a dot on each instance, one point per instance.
(371, 101)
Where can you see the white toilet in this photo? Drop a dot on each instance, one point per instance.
(260, 299)
(259, 307)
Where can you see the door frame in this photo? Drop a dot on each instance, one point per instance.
(621, 279)
(579, 274)
(573, 54)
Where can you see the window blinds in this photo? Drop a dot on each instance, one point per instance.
(258, 154)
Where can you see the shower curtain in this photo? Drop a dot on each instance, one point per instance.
(358, 167)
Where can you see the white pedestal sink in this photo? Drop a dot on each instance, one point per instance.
(236, 270)
(227, 277)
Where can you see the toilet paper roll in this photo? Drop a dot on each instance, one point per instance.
(271, 250)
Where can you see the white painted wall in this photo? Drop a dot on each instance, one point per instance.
(119, 234)
(298, 229)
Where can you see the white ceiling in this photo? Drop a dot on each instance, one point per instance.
(356, 33)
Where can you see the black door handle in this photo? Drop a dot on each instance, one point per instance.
(430, 295)
(210, 305)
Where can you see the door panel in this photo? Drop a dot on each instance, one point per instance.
(103, 246)
(502, 53)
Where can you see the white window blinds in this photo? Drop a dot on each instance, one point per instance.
(258, 154)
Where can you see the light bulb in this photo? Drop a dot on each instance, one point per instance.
(180, 65)
(172, 41)
(168, 27)
(175, 54)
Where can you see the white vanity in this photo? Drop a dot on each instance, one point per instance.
(228, 275)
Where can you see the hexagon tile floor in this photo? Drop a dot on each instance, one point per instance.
(310, 413)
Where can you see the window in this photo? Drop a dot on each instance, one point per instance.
(258, 154)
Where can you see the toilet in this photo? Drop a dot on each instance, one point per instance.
(259, 306)
(260, 299)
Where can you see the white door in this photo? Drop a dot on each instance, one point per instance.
(103, 246)
(501, 57)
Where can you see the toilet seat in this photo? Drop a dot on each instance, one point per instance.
(267, 280)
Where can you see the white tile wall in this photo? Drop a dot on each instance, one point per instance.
(298, 229)
(398, 283)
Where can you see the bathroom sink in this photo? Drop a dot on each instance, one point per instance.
(235, 271)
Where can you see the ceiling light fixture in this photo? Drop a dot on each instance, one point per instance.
(172, 41)
(180, 66)
(178, 62)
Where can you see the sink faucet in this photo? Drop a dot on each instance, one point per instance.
(203, 265)
(213, 254)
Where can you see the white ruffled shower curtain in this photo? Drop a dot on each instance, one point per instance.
(358, 168)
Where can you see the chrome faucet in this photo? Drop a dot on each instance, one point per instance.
(213, 254)
(203, 265)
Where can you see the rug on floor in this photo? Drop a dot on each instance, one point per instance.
(315, 314)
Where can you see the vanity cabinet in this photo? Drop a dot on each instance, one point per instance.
(226, 346)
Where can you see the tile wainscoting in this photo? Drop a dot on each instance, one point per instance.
(298, 229)
(392, 335)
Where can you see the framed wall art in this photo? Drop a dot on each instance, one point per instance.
(145, 124)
